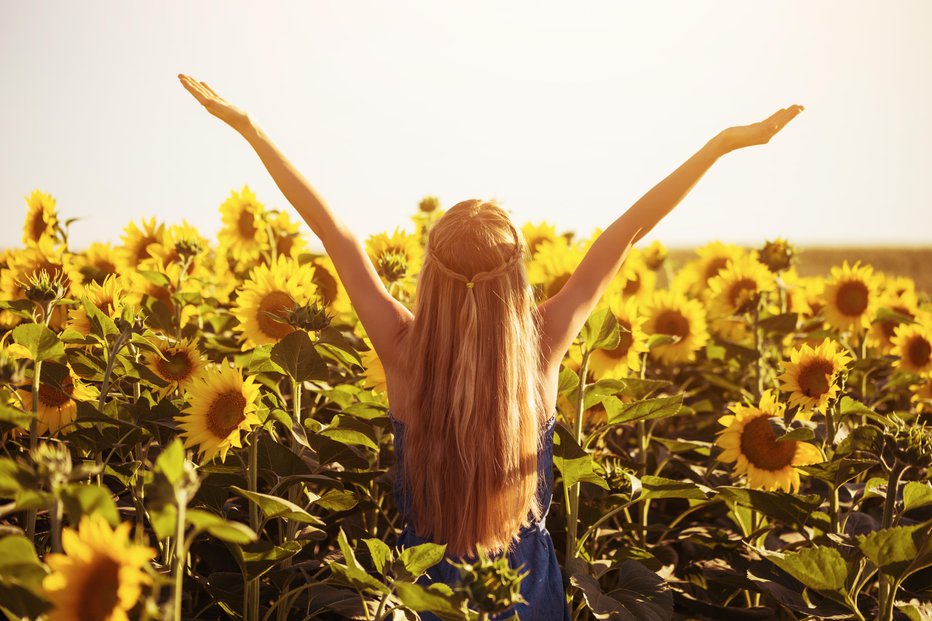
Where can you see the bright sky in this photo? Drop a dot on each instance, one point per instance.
(563, 114)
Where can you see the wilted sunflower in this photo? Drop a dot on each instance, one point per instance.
(41, 219)
(810, 375)
(137, 242)
(693, 277)
(552, 265)
(851, 297)
(59, 391)
(534, 234)
(266, 297)
(737, 288)
(108, 297)
(624, 359)
(670, 312)
(222, 404)
(749, 441)
(100, 575)
(397, 258)
(181, 364)
(244, 233)
(912, 345)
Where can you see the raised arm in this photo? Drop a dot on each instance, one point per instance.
(564, 314)
(383, 317)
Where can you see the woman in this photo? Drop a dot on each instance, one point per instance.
(472, 373)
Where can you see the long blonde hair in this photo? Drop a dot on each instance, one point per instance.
(475, 410)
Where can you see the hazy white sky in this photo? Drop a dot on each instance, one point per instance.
(567, 112)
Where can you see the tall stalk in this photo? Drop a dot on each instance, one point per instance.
(887, 587)
(181, 496)
(34, 441)
(252, 476)
(573, 509)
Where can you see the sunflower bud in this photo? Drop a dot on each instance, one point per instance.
(655, 255)
(53, 463)
(910, 445)
(616, 475)
(188, 248)
(45, 289)
(429, 204)
(392, 266)
(777, 255)
(491, 585)
(309, 317)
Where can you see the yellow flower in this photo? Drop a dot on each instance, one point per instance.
(222, 404)
(655, 255)
(881, 334)
(737, 288)
(749, 441)
(181, 364)
(397, 258)
(625, 359)
(534, 234)
(897, 286)
(670, 312)
(59, 391)
(851, 297)
(41, 219)
(921, 394)
(912, 345)
(100, 575)
(332, 293)
(635, 279)
(803, 294)
(98, 262)
(693, 277)
(732, 330)
(244, 232)
(288, 239)
(180, 243)
(554, 262)
(269, 293)
(374, 372)
(137, 243)
(811, 375)
(108, 297)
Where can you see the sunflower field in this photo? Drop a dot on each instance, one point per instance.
(199, 430)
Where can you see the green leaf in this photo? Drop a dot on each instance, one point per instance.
(354, 573)
(336, 345)
(380, 552)
(916, 494)
(101, 324)
(852, 407)
(642, 594)
(21, 576)
(275, 507)
(170, 461)
(79, 499)
(573, 462)
(418, 559)
(818, 567)
(791, 509)
(899, 551)
(347, 430)
(256, 558)
(434, 598)
(42, 343)
(646, 409)
(659, 487)
(296, 355)
(568, 380)
(780, 324)
(224, 530)
(15, 417)
(839, 471)
(601, 330)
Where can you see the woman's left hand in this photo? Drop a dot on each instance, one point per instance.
(757, 133)
(215, 104)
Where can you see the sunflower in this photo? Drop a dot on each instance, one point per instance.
(921, 394)
(100, 576)
(181, 242)
(222, 403)
(749, 441)
(635, 279)
(59, 391)
(43, 255)
(803, 294)
(374, 372)
(881, 334)
(331, 290)
(655, 255)
(851, 297)
(244, 234)
(731, 329)
(912, 345)
(182, 362)
(554, 262)
(624, 359)
(534, 234)
(41, 219)
(713, 257)
(897, 286)
(269, 293)
(108, 297)
(137, 242)
(811, 374)
(670, 312)
(397, 258)
(737, 288)
(287, 235)
(98, 262)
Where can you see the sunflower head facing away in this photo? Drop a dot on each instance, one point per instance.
(41, 218)
(749, 440)
(100, 576)
(811, 375)
(851, 297)
(222, 404)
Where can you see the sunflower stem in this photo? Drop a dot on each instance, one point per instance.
(34, 440)
(757, 346)
(887, 587)
(573, 509)
(181, 496)
(252, 592)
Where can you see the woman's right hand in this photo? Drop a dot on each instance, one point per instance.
(757, 133)
(235, 117)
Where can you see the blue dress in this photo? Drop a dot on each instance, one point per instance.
(542, 588)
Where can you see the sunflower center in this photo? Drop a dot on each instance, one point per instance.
(270, 308)
(176, 367)
(714, 266)
(759, 445)
(38, 226)
(632, 286)
(672, 322)
(851, 298)
(888, 327)
(742, 294)
(625, 340)
(98, 597)
(56, 396)
(246, 223)
(919, 352)
(814, 377)
(226, 413)
(326, 285)
(555, 285)
(142, 248)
